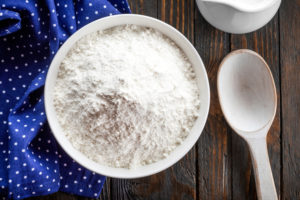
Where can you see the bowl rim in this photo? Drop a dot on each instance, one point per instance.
(79, 157)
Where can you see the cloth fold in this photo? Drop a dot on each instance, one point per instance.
(31, 32)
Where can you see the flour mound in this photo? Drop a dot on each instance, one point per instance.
(126, 96)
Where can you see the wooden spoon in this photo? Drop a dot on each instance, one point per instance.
(248, 100)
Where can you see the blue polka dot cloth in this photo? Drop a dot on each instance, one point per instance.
(31, 32)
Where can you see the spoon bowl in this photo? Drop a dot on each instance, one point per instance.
(248, 99)
(247, 91)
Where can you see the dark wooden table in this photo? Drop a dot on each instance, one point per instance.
(219, 166)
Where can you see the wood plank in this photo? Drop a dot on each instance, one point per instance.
(144, 7)
(214, 146)
(56, 196)
(265, 42)
(290, 88)
(179, 181)
(106, 190)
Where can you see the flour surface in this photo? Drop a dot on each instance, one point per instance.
(126, 96)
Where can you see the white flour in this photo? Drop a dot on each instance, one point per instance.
(126, 96)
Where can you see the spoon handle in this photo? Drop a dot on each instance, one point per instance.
(265, 186)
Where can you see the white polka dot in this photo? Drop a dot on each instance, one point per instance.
(71, 27)
(87, 18)
(66, 5)
(96, 12)
(17, 172)
(25, 177)
(80, 190)
(104, 6)
(24, 164)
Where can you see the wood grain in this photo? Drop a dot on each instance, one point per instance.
(144, 7)
(265, 42)
(290, 87)
(214, 145)
(106, 190)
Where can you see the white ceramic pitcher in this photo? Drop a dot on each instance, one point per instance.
(238, 16)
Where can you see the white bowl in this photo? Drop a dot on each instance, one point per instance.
(236, 18)
(202, 81)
